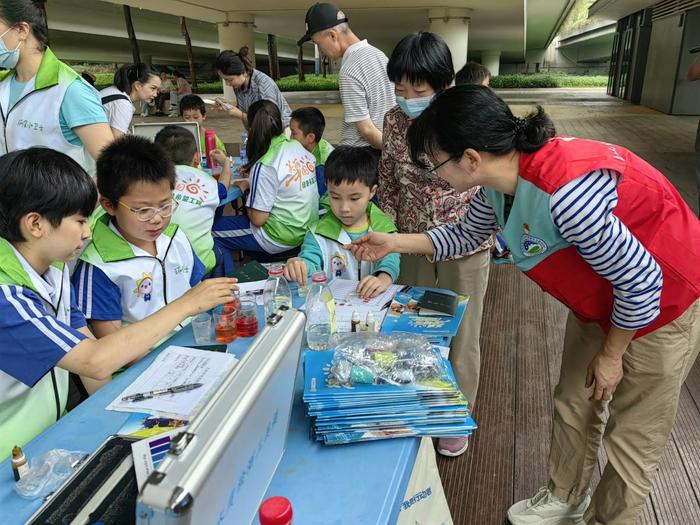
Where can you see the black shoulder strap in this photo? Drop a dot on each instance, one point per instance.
(112, 98)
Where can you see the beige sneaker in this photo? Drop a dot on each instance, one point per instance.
(544, 508)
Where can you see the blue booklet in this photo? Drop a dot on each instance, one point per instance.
(404, 316)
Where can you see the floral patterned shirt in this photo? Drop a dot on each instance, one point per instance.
(415, 200)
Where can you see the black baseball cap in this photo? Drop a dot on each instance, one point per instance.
(321, 16)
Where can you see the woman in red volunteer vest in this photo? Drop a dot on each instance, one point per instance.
(606, 234)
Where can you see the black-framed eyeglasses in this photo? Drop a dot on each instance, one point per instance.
(435, 168)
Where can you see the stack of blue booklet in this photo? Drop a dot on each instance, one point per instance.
(365, 412)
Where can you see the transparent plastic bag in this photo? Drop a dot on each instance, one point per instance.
(375, 358)
(48, 472)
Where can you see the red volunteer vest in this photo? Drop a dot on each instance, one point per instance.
(648, 205)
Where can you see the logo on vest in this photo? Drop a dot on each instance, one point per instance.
(182, 268)
(26, 124)
(195, 191)
(531, 245)
(338, 265)
(144, 287)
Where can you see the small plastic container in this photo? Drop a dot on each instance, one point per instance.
(225, 323)
(201, 327)
(247, 321)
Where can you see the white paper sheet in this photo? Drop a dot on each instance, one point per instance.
(175, 366)
(347, 301)
(254, 287)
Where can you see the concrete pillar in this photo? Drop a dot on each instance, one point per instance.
(492, 61)
(452, 24)
(233, 35)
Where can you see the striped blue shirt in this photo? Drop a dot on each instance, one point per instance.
(582, 210)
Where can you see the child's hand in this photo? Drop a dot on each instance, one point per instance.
(208, 294)
(243, 171)
(243, 184)
(296, 270)
(219, 156)
(371, 286)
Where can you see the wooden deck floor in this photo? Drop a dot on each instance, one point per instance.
(521, 344)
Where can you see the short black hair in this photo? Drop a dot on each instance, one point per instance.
(192, 102)
(128, 160)
(422, 57)
(178, 143)
(177, 73)
(472, 73)
(350, 164)
(310, 120)
(43, 181)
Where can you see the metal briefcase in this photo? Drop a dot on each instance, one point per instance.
(218, 470)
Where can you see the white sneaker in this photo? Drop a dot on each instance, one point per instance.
(544, 508)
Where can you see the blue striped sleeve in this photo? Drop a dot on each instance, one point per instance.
(77, 318)
(33, 340)
(582, 210)
(97, 296)
(453, 240)
(264, 185)
(198, 270)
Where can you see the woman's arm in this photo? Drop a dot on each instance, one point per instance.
(95, 137)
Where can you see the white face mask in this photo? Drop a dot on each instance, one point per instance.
(8, 59)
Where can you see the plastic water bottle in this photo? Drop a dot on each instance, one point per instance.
(276, 510)
(320, 313)
(276, 292)
(244, 145)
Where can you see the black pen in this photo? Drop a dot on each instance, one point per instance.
(141, 396)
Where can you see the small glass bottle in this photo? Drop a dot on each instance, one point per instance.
(20, 466)
(276, 292)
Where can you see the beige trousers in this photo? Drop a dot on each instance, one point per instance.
(639, 416)
(467, 276)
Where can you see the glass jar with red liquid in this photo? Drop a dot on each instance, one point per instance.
(247, 322)
(225, 319)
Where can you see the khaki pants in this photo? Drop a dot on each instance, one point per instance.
(639, 416)
(467, 276)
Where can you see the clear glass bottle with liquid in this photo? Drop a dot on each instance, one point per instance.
(320, 313)
(243, 150)
(276, 291)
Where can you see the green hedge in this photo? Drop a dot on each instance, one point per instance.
(312, 83)
(544, 80)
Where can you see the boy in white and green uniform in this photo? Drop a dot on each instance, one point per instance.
(323, 247)
(282, 185)
(307, 126)
(39, 325)
(198, 193)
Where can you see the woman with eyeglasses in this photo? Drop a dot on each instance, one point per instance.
(138, 261)
(421, 66)
(607, 235)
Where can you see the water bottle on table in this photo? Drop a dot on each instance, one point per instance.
(209, 146)
(320, 313)
(276, 292)
(244, 145)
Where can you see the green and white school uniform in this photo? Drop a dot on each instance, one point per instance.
(38, 326)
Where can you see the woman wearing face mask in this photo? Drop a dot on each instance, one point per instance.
(606, 234)
(133, 84)
(421, 66)
(43, 102)
(249, 84)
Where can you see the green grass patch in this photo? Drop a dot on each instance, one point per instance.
(312, 83)
(547, 80)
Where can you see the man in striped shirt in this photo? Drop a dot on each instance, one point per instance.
(365, 89)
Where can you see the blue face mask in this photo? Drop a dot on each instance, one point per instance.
(8, 59)
(413, 107)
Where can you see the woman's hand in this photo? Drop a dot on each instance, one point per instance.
(605, 372)
(373, 246)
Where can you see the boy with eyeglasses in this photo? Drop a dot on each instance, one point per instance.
(137, 261)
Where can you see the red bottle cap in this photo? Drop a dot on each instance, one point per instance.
(276, 510)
